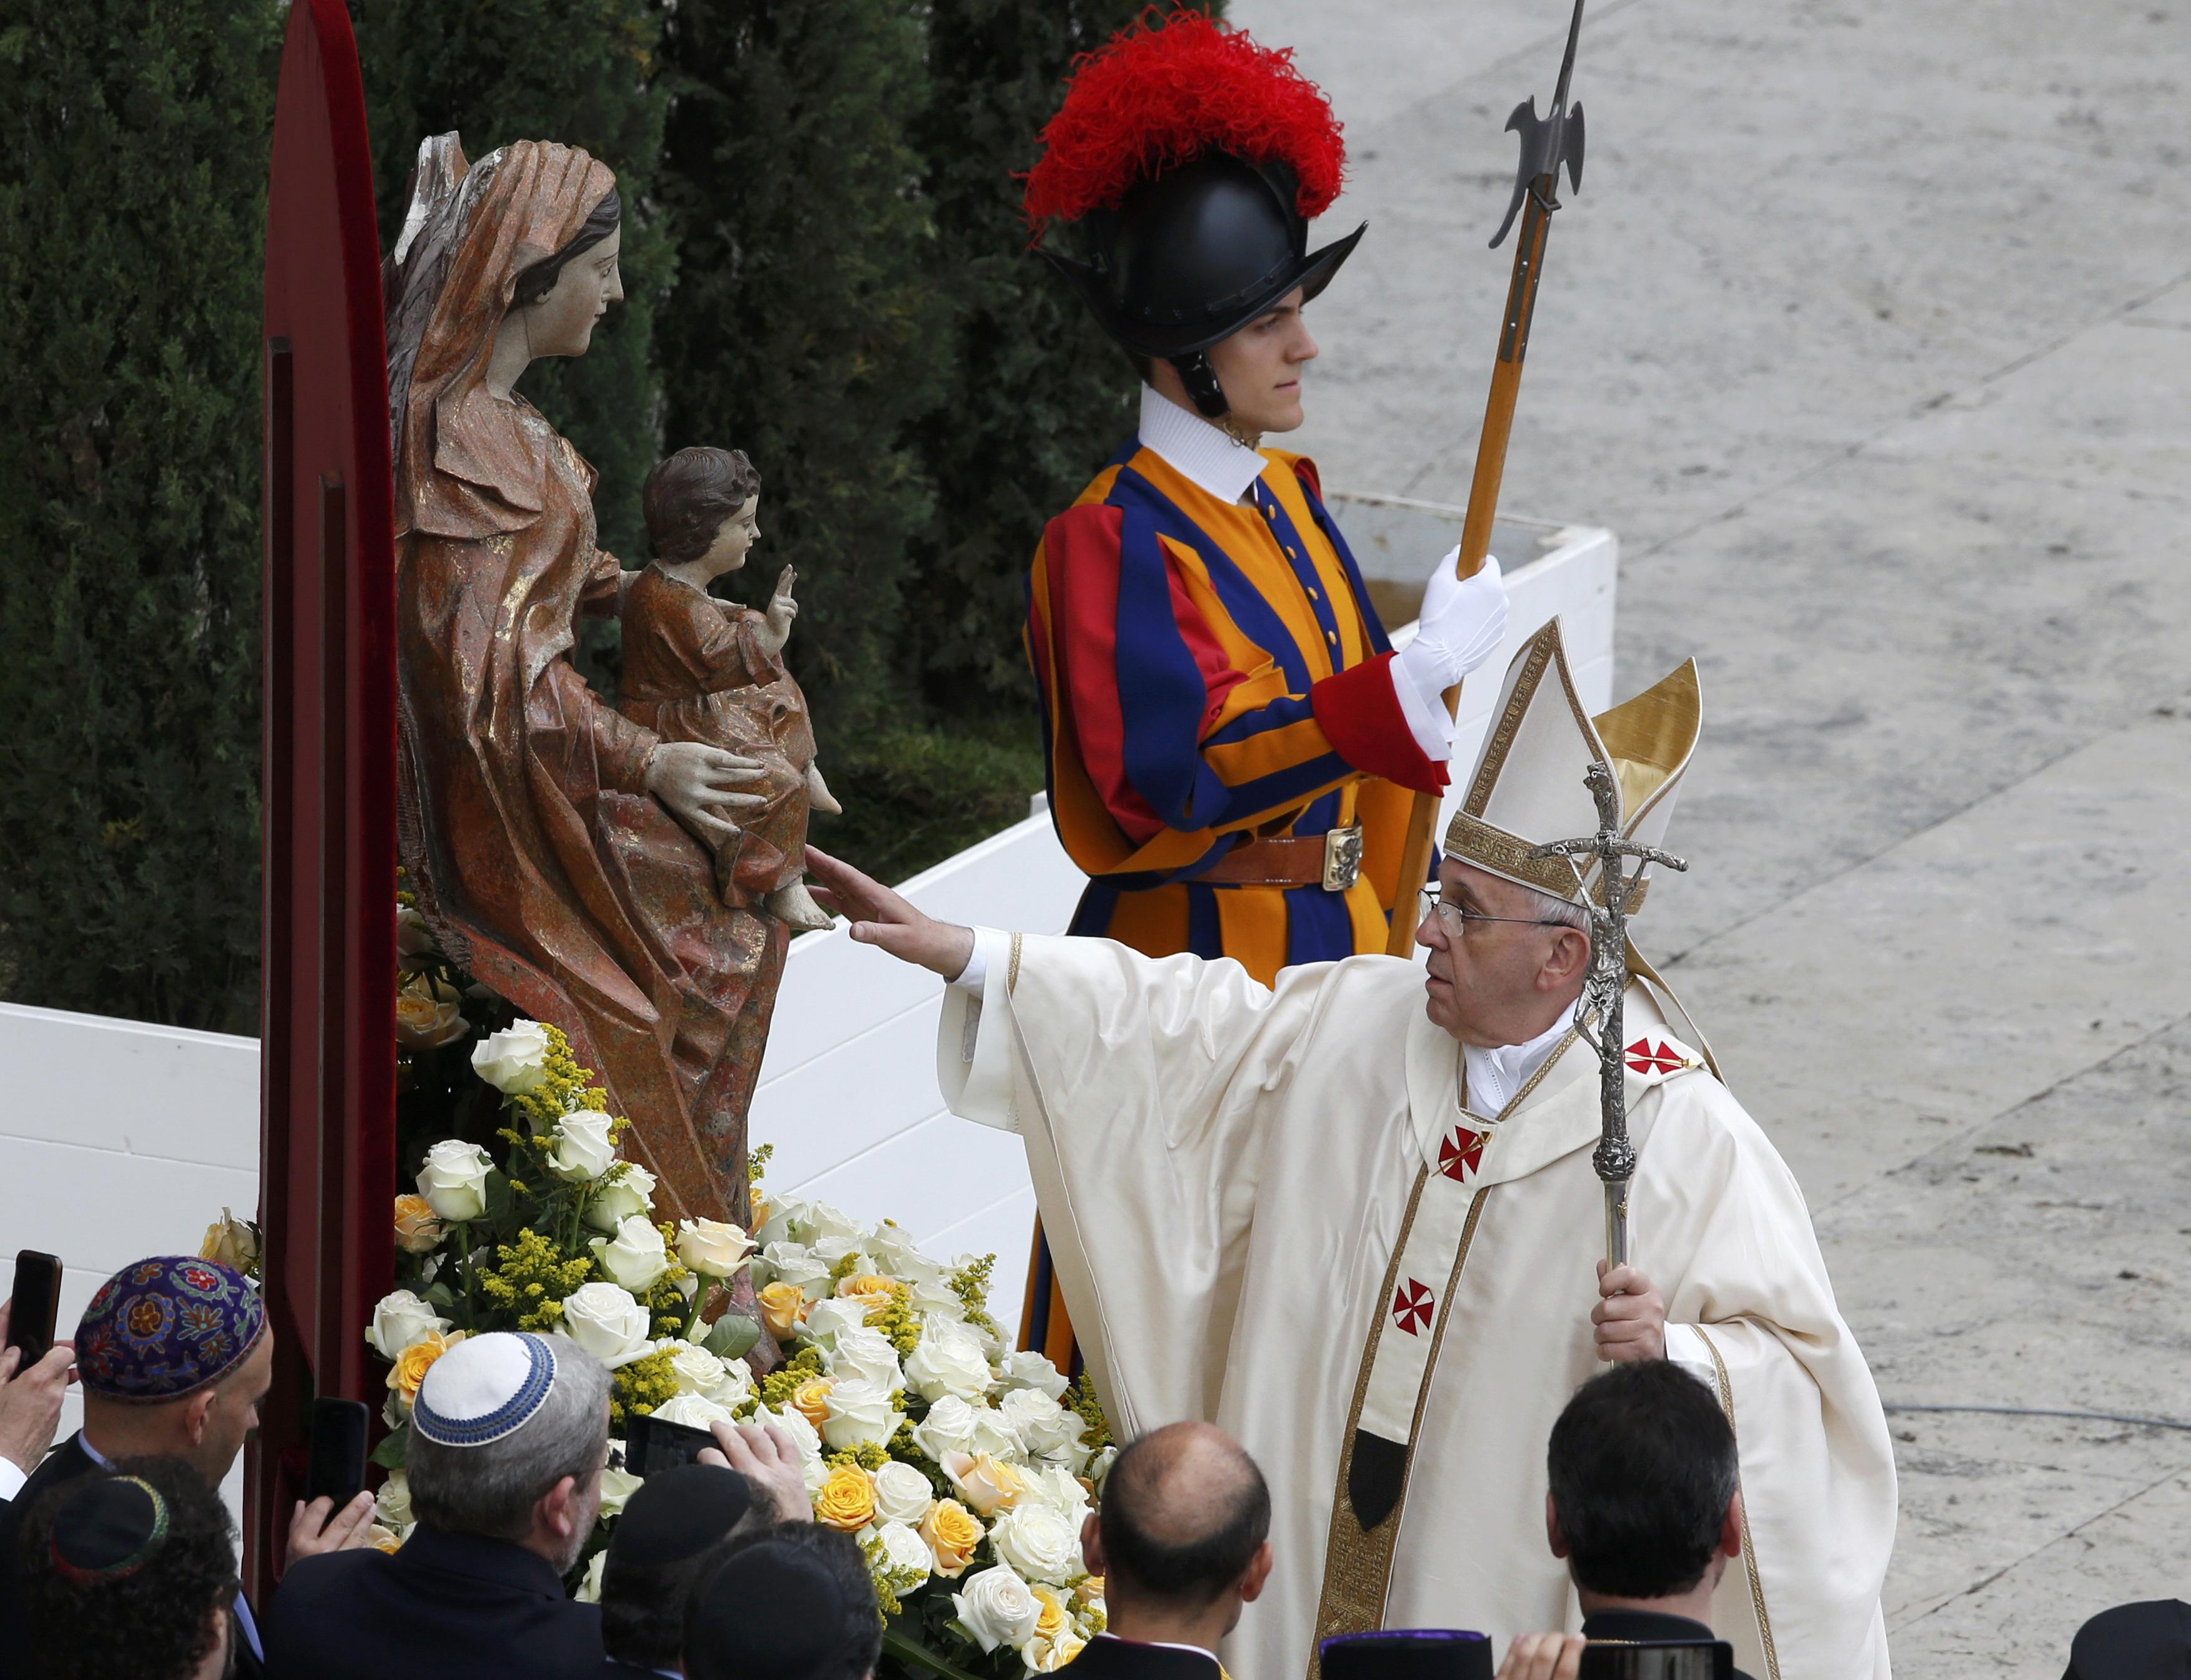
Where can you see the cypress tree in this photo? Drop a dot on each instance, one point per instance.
(133, 167)
(806, 328)
(585, 72)
(1039, 397)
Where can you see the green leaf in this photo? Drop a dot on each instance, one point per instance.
(438, 1293)
(394, 1451)
(908, 1649)
(500, 1204)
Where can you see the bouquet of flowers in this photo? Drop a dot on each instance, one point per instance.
(964, 1469)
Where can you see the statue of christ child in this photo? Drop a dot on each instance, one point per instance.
(696, 668)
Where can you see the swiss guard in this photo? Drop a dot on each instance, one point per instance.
(1232, 743)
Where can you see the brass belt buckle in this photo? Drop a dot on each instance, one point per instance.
(1342, 858)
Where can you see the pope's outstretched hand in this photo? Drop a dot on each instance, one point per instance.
(882, 919)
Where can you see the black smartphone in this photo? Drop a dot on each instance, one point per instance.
(652, 1444)
(37, 1302)
(1663, 1660)
(336, 1466)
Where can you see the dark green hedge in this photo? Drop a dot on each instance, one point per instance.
(823, 266)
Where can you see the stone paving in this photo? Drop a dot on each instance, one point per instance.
(1871, 335)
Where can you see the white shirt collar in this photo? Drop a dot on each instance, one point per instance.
(1496, 1076)
(1203, 454)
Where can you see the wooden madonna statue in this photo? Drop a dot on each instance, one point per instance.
(629, 876)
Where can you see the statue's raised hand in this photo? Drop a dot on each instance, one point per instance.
(698, 782)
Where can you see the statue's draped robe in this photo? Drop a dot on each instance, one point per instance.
(539, 856)
(1223, 1171)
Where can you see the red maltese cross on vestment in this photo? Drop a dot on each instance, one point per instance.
(1642, 1059)
(1459, 1153)
(1412, 1307)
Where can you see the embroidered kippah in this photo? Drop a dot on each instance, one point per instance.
(679, 1513)
(107, 1529)
(772, 1612)
(167, 1327)
(485, 1387)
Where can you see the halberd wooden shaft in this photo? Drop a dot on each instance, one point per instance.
(1482, 506)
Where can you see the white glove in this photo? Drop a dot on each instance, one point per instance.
(1461, 624)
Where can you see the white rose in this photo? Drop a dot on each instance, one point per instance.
(698, 1371)
(392, 1504)
(833, 1251)
(604, 1321)
(830, 1319)
(902, 1495)
(737, 1383)
(865, 1356)
(949, 1360)
(948, 1428)
(582, 1150)
(635, 1256)
(399, 1320)
(590, 1589)
(613, 1202)
(453, 1180)
(695, 1410)
(782, 1223)
(413, 937)
(996, 1608)
(858, 1414)
(514, 1059)
(1028, 1369)
(1047, 1656)
(795, 1263)
(1036, 1539)
(618, 1486)
(935, 1302)
(1049, 1431)
(991, 1435)
(896, 1253)
(819, 1222)
(1098, 1468)
(904, 1552)
(712, 1246)
(1058, 1488)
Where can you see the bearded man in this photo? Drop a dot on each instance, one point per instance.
(1351, 1219)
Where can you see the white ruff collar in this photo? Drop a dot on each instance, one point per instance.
(1202, 454)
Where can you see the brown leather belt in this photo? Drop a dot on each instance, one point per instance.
(1332, 861)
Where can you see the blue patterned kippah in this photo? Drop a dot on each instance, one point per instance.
(167, 1327)
(484, 1388)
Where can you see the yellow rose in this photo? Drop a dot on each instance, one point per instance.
(1053, 1618)
(847, 1499)
(231, 1242)
(758, 1217)
(428, 1014)
(412, 1364)
(382, 1538)
(783, 1306)
(418, 1227)
(1045, 1656)
(871, 1289)
(1091, 1590)
(988, 1484)
(810, 1400)
(952, 1533)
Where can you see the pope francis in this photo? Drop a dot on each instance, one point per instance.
(1352, 1219)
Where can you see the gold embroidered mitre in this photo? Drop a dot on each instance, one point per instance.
(1528, 790)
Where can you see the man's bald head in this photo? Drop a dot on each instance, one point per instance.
(1185, 1512)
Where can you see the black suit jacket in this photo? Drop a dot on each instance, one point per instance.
(1647, 1626)
(1105, 1658)
(2151, 1641)
(445, 1606)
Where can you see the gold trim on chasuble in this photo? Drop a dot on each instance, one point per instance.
(1357, 1560)
(1749, 1547)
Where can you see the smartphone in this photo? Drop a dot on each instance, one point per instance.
(1411, 1653)
(37, 1302)
(1667, 1660)
(652, 1445)
(336, 1470)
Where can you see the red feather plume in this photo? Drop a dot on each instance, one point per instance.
(1164, 91)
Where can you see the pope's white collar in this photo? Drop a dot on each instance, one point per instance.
(1203, 454)
(1495, 1077)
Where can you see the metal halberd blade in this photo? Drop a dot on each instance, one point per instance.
(1547, 141)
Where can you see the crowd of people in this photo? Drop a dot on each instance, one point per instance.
(118, 1557)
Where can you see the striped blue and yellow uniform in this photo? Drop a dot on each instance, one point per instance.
(1211, 670)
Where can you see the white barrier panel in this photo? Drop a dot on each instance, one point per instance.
(120, 1140)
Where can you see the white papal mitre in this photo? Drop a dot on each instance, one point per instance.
(1528, 788)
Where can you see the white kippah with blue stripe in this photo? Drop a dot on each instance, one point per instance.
(484, 1388)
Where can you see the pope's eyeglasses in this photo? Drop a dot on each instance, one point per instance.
(1454, 919)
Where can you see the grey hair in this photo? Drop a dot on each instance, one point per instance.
(1564, 911)
(490, 1490)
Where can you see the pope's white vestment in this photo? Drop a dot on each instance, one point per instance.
(1224, 1171)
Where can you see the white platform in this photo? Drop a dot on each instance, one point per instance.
(121, 1140)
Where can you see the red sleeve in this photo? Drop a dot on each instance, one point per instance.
(1360, 717)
